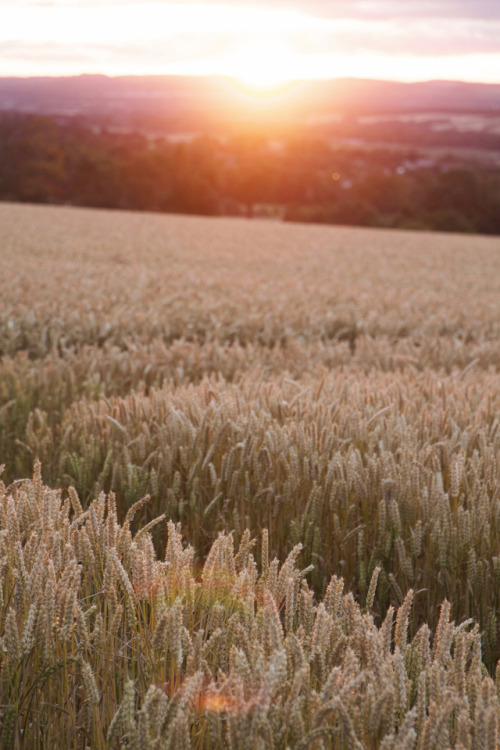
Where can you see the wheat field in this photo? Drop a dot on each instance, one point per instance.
(264, 509)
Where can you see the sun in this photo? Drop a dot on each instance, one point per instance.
(262, 67)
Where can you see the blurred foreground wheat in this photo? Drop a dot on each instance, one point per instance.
(105, 645)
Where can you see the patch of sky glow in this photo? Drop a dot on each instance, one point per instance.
(263, 44)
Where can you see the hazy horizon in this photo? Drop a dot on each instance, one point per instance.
(201, 75)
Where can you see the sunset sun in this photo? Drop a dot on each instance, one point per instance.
(262, 67)
(262, 63)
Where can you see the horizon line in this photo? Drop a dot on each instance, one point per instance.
(229, 77)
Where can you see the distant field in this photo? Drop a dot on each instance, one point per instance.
(84, 277)
(330, 387)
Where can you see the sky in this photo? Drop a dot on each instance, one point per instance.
(263, 43)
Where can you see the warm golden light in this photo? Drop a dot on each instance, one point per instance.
(262, 44)
(262, 66)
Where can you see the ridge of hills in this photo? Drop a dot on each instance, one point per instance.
(189, 101)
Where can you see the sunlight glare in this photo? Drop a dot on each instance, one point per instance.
(262, 66)
(264, 48)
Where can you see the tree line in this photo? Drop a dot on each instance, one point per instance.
(300, 178)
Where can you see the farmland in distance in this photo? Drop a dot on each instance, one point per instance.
(327, 387)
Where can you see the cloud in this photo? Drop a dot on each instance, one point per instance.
(418, 38)
(153, 34)
(379, 9)
(346, 37)
(43, 53)
(364, 9)
(373, 9)
(369, 10)
(154, 54)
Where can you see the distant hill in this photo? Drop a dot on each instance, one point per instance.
(186, 102)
